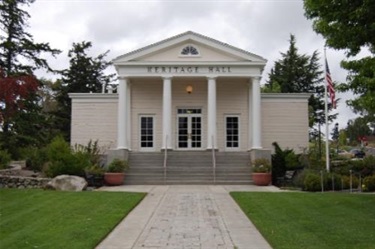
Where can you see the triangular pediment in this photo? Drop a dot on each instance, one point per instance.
(189, 47)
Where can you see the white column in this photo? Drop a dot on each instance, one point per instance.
(211, 114)
(250, 115)
(167, 113)
(256, 114)
(128, 115)
(122, 123)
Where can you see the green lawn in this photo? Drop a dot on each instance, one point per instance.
(51, 219)
(312, 220)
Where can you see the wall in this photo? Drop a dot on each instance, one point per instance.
(22, 182)
(285, 120)
(94, 116)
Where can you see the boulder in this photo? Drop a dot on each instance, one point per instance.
(67, 183)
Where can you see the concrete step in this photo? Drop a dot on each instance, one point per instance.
(189, 167)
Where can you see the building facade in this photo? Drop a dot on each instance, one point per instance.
(190, 92)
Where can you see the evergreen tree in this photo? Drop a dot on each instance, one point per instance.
(300, 73)
(20, 114)
(16, 43)
(85, 74)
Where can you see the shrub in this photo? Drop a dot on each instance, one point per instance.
(62, 159)
(35, 158)
(346, 182)
(292, 161)
(5, 159)
(92, 149)
(312, 182)
(332, 181)
(369, 183)
(117, 166)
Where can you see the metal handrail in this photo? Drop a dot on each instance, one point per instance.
(213, 160)
(165, 159)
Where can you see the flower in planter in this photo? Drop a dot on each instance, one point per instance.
(117, 166)
(262, 165)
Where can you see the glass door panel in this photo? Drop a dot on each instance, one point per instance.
(183, 132)
(196, 134)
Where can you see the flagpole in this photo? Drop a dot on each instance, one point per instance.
(326, 112)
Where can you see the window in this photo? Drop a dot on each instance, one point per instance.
(232, 131)
(189, 50)
(189, 111)
(147, 132)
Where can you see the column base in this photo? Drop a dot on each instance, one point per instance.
(256, 153)
(120, 153)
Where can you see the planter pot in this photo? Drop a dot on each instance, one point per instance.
(262, 179)
(114, 179)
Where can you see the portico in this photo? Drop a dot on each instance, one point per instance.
(168, 135)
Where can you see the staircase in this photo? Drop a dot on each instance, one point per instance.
(188, 167)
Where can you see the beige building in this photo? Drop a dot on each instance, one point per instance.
(190, 93)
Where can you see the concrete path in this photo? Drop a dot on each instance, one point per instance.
(186, 217)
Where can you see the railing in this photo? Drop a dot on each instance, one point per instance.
(213, 160)
(165, 159)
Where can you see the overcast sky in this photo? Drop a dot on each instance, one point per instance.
(262, 27)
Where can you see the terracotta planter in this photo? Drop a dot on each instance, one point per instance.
(114, 179)
(262, 179)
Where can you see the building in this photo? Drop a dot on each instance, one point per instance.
(190, 93)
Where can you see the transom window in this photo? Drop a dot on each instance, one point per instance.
(232, 131)
(189, 111)
(147, 131)
(189, 50)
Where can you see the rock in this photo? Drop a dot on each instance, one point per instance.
(67, 183)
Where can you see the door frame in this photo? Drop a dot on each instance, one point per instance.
(189, 116)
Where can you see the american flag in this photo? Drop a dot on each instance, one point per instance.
(330, 87)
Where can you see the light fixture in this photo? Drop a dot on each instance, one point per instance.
(189, 89)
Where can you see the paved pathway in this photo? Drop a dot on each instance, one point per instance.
(186, 217)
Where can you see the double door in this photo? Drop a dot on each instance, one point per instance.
(189, 131)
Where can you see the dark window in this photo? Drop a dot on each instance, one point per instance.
(232, 131)
(189, 50)
(147, 126)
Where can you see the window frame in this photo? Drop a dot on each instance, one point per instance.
(238, 131)
(141, 148)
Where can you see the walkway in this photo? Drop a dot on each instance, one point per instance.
(191, 217)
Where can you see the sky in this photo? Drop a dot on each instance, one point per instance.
(262, 27)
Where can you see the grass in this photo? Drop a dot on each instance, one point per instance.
(50, 219)
(312, 220)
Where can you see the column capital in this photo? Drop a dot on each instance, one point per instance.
(255, 78)
(166, 77)
(212, 77)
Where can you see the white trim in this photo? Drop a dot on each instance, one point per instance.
(189, 36)
(238, 148)
(140, 116)
(285, 97)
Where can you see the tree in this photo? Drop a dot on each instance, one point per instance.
(358, 128)
(16, 44)
(350, 25)
(85, 74)
(296, 73)
(20, 116)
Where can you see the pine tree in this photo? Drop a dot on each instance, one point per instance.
(300, 73)
(16, 43)
(85, 74)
